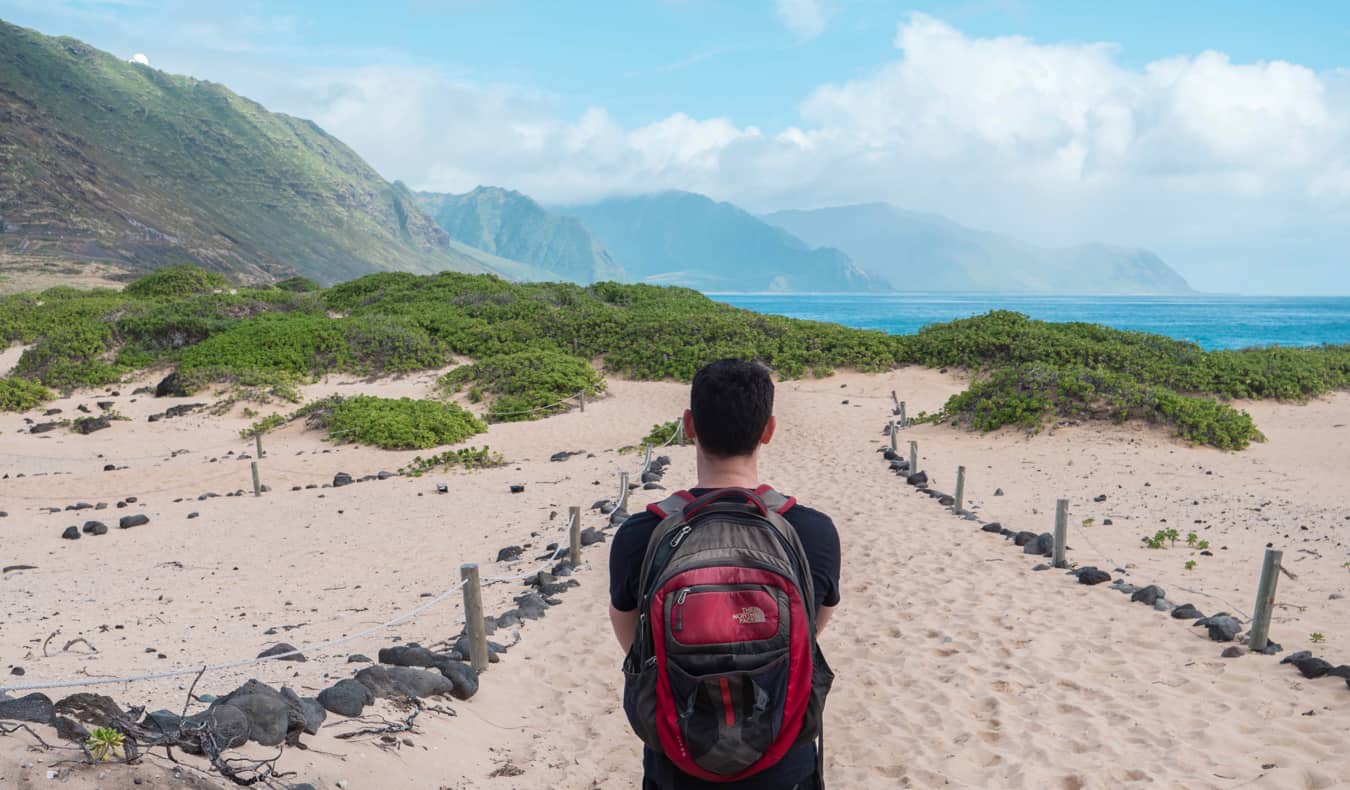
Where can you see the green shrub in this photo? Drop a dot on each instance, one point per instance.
(18, 394)
(467, 457)
(177, 281)
(402, 424)
(299, 285)
(526, 385)
(663, 432)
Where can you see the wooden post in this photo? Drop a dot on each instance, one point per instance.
(473, 617)
(913, 458)
(647, 459)
(1061, 531)
(257, 441)
(896, 401)
(257, 488)
(904, 421)
(1265, 600)
(958, 506)
(679, 430)
(894, 441)
(582, 397)
(574, 533)
(623, 491)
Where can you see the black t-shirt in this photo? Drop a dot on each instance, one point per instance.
(820, 541)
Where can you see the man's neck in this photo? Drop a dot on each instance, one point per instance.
(737, 472)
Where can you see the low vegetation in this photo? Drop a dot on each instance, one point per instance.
(18, 394)
(466, 457)
(400, 424)
(533, 345)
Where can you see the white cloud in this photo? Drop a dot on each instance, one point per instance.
(1192, 154)
(806, 18)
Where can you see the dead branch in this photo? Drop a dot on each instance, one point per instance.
(66, 647)
(386, 726)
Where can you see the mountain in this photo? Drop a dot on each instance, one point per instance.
(506, 223)
(104, 160)
(922, 252)
(680, 238)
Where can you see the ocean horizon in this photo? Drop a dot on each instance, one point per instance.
(1214, 322)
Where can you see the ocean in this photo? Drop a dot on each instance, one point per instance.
(1214, 322)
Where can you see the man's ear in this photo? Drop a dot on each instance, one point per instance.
(688, 419)
(769, 428)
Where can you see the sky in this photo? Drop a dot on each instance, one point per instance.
(1216, 134)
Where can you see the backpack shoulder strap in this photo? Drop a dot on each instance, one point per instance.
(777, 502)
(675, 503)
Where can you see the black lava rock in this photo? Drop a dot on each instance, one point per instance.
(44, 427)
(1093, 576)
(517, 489)
(269, 715)
(1187, 612)
(281, 648)
(358, 658)
(346, 698)
(1232, 652)
(992, 526)
(126, 522)
(508, 553)
(304, 711)
(463, 676)
(71, 533)
(1222, 627)
(95, 709)
(171, 386)
(395, 682)
(1149, 595)
(36, 708)
(88, 425)
(1043, 545)
(410, 656)
(1024, 538)
(917, 479)
(591, 536)
(341, 479)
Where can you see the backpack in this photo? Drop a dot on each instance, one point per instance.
(724, 676)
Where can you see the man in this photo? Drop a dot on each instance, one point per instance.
(730, 418)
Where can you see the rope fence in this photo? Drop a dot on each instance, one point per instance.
(317, 648)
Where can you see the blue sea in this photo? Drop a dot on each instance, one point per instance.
(1214, 322)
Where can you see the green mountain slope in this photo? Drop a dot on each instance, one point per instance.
(922, 252)
(103, 160)
(506, 223)
(680, 238)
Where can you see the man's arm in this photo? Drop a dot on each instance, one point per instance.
(823, 615)
(625, 626)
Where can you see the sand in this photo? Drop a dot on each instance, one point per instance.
(957, 664)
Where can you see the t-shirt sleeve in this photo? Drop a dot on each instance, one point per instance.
(626, 552)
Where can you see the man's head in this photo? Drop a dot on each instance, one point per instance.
(731, 408)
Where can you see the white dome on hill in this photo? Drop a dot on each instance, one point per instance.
(140, 58)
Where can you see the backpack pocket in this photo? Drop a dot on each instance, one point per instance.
(728, 720)
(735, 618)
(639, 698)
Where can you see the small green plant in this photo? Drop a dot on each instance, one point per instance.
(1317, 637)
(1172, 536)
(1190, 565)
(467, 457)
(1191, 539)
(663, 432)
(18, 394)
(105, 744)
(264, 425)
(1202, 545)
(1156, 542)
(1089, 521)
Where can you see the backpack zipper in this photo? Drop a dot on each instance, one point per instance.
(680, 536)
(679, 613)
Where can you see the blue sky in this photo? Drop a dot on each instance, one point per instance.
(1217, 134)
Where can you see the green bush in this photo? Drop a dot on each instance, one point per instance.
(177, 281)
(18, 394)
(467, 457)
(300, 285)
(663, 432)
(526, 385)
(402, 424)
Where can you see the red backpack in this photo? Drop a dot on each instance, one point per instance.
(724, 676)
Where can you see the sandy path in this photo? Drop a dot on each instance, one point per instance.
(957, 665)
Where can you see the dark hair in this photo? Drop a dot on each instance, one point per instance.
(732, 400)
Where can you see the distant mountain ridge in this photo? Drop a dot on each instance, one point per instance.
(682, 238)
(506, 223)
(105, 160)
(923, 252)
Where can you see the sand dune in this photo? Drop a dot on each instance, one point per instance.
(957, 665)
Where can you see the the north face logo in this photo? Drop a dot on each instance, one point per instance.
(749, 615)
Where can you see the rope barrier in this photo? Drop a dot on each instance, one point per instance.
(167, 489)
(316, 648)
